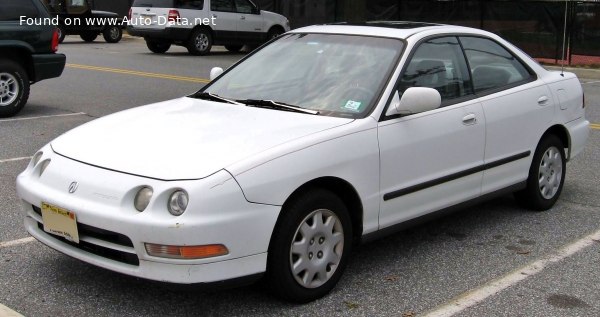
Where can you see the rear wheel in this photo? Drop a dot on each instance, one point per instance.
(309, 247)
(234, 48)
(274, 32)
(112, 34)
(14, 88)
(200, 42)
(546, 175)
(158, 46)
(88, 37)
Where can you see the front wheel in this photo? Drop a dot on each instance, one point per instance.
(546, 175)
(14, 88)
(112, 34)
(158, 47)
(310, 246)
(200, 42)
(88, 37)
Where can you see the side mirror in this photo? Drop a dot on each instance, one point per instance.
(414, 100)
(215, 72)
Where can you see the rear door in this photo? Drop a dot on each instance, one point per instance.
(151, 14)
(518, 108)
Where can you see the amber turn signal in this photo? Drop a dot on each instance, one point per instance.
(188, 252)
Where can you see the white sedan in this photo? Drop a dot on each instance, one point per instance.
(326, 137)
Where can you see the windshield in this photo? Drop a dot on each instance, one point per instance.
(336, 75)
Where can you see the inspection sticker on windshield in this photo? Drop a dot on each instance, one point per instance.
(353, 105)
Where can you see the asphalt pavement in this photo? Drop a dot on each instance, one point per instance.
(493, 259)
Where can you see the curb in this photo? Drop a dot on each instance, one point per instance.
(587, 73)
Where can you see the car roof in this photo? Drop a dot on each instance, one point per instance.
(395, 29)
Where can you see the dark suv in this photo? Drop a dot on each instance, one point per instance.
(75, 17)
(27, 51)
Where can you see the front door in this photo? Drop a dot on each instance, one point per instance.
(433, 159)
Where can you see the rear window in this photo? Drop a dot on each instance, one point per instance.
(12, 10)
(180, 4)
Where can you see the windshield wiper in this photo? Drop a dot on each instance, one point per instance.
(276, 105)
(213, 97)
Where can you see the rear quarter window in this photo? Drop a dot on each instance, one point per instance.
(12, 10)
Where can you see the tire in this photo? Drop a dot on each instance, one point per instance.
(88, 37)
(274, 32)
(234, 48)
(112, 34)
(158, 47)
(200, 42)
(14, 88)
(325, 250)
(546, 175)
(61, 33)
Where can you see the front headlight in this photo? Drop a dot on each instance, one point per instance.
(178, 202)
(142, 198)
(36, 158)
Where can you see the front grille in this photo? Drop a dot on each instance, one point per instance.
(100, 234)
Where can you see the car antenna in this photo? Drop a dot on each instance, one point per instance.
(562, 60)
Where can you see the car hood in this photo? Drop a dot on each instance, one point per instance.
(185, 138)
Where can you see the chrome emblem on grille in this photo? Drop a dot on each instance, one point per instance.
(73, 187)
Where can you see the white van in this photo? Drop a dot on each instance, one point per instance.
(200, 24)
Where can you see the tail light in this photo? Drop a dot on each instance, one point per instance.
(54, 44)
(129, 15)
(174, 16)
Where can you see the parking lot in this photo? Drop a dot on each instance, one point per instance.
(493, 259)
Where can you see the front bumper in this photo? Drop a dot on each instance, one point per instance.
(47, 66)
(113, 234)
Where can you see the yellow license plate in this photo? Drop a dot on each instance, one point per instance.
(60, 222)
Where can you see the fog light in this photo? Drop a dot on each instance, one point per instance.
(142, 198)
(186, 252)
(178, 203)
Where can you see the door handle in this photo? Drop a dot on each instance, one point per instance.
(543, 100)
(469, 119)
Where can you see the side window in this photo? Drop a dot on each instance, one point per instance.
(189, 4)
(440, 64)
(222, 5)
(12, 10)
(492, 66)
(76, 6)
(243, 6)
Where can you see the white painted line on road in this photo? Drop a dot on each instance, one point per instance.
(16, 159)
(7, 312)
(43, 117)
(16, 242)
(591, 82)
(478, 295)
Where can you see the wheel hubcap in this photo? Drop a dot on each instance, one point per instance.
(9, 89)
(202, 42)
(317, 248)
(550, 172)
(114, 33)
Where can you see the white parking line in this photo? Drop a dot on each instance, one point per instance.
(478, 295)
(591, 82)
(16, 159)
(43, 117)
(7, 312)
(16, 242)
